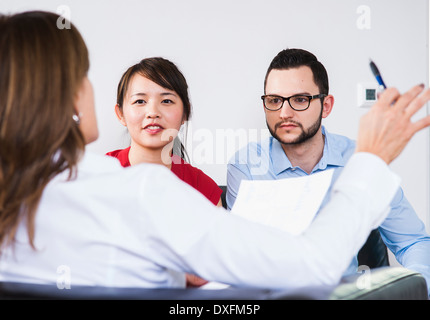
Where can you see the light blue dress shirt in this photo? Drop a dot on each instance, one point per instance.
(402, 231)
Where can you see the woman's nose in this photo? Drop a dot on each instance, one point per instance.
(152, 110)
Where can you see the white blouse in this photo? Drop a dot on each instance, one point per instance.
(143, 227)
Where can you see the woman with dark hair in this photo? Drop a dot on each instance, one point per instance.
(64, 208)
(153, 103)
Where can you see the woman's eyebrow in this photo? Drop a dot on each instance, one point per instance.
(138, 94)
(168, 94)
(161, 94)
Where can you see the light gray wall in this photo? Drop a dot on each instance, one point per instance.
(224, 47)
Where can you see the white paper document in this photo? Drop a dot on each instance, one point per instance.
(289, 204)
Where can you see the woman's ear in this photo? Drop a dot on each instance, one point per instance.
(85, 115)
(120, 115)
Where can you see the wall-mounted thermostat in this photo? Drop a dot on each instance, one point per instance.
(367, 94)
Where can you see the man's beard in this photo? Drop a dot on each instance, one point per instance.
(303, 137)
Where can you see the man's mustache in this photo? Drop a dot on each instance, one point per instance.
(288, 122)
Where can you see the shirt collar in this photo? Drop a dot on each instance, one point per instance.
(332, 155)
(280, 161)
(333, 152)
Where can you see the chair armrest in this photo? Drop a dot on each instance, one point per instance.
(386, 283)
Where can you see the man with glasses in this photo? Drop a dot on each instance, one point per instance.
(295, 101)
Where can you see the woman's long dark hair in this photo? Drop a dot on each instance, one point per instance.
(42, 69)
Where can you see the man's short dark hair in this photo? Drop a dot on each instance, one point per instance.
(295, 58)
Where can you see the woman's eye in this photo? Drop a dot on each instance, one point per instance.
(167, 101)
(139, 101)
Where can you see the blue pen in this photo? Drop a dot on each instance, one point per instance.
(377, 74)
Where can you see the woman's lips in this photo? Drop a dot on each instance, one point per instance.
(153, 128)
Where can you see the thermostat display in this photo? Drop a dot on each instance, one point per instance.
(366, 94)
(370, 95)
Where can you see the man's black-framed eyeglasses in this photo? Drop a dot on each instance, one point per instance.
(298, 102)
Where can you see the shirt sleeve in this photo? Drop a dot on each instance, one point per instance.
(197, 237)
(405, 235)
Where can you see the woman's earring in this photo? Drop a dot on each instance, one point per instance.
(77, 118)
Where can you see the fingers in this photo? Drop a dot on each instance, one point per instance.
(420, 124)
(406, 98)
(417, 103)
(409, 102)
(387, 128)
(388, 97)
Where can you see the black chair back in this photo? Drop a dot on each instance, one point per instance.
(223, 194)
(374, 253)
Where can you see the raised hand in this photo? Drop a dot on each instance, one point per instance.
(387, 127)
